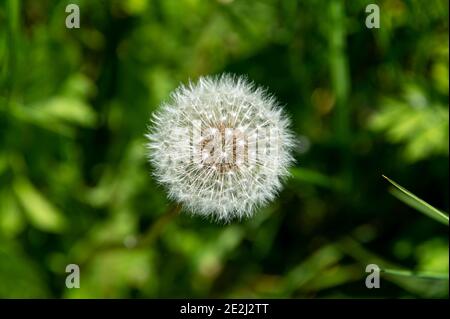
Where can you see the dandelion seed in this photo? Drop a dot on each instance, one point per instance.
(235, 154)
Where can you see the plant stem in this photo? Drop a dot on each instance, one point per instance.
(340, 84)
(339, 71)
(157, 227)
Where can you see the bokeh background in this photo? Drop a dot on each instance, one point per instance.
(75, 186)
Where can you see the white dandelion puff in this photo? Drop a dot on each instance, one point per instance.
(221, 147)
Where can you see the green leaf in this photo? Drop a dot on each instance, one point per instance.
(415, 202)
(319, 262)
(41, 212)
(68, 109)
(416, 274)
(12, 220)
(58, 114)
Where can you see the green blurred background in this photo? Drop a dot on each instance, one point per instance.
(75, 186)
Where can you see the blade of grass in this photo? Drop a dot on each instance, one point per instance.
(423, 288)
(415, 274)
(415, 202)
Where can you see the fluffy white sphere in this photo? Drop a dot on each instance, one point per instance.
(221, 147)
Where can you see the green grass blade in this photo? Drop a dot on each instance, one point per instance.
(415, 202)
(415, 274)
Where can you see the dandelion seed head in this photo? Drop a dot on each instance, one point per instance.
(221, 147)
